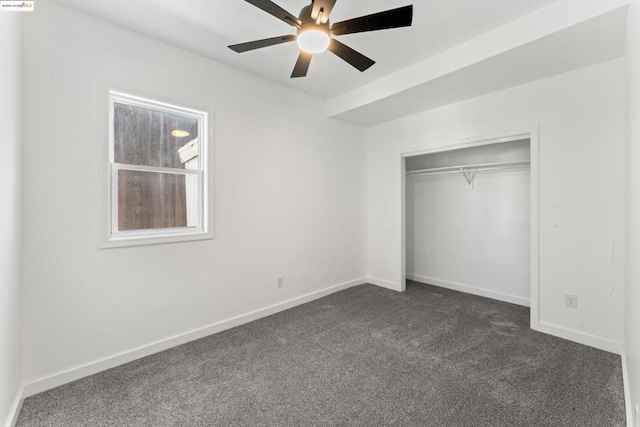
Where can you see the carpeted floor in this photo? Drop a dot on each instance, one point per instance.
(365, 356)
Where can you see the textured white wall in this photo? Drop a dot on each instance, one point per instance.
(471, 238)
(10, 224)
(581, 123)
(289, 197)
(632, 290)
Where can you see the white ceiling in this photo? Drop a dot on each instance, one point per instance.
(207, 27)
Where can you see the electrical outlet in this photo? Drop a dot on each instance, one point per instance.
(571, 300)
(280, 281)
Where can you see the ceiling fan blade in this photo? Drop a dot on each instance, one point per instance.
(394, 18)
(273, 9)
(351, 56)
(322, 5)
(257, 44)
(302, 64)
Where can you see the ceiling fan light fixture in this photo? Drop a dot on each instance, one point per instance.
(313, 40)
(315, 32)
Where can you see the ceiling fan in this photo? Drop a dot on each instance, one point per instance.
(315, 31)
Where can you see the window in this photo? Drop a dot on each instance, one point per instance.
(157, 173)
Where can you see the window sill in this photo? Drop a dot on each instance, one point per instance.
(155, 239)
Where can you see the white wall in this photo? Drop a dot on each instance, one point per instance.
(632, 290)
(289, 198)
(475, 240)
(581, 132)
(10, 225)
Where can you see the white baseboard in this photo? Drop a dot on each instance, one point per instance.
(382, 283)
(628, 404)
(579, 337)
(470, 289)
(15, 408)
(67, 376)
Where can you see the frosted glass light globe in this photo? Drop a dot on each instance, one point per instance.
(313, 41)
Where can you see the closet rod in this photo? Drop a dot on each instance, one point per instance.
(469, 168)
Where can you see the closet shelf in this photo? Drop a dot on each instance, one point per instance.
(479, 167)
(469, 171)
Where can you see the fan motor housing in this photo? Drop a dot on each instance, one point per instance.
(308, 21)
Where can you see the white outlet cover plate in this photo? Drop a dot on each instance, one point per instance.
(571, 300)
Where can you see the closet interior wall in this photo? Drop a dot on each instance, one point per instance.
(468, 220)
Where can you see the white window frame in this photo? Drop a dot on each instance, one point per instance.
(110, 235)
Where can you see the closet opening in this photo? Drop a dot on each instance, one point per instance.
(470, 218)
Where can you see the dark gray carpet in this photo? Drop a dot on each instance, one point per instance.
(365, 356)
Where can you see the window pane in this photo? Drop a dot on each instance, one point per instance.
(156, 200)
(143, 136)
